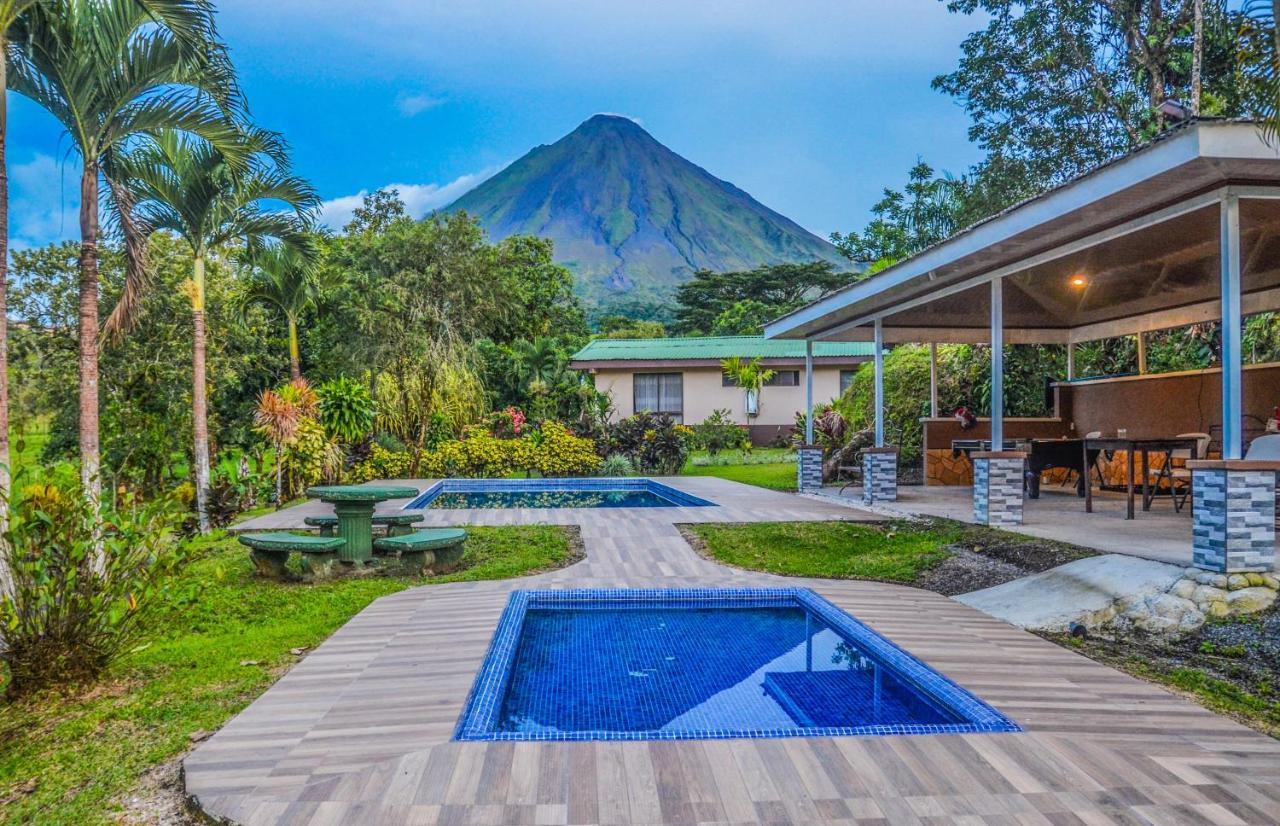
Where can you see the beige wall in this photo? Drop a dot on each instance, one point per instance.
(704, 392)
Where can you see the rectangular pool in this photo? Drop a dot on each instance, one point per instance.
(703, 663)
(554, 493)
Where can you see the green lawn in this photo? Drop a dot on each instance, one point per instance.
(219, 640)
(765, 467)
(895, 552)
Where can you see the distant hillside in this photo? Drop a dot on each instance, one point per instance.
(633, 219)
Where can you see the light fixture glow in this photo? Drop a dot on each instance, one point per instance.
(1078, 281)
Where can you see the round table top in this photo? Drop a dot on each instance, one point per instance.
(360, 493)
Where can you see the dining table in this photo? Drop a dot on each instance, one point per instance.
(354, 506)
(1137, 451)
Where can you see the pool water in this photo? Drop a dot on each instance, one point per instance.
(574, 665)
(554, 493)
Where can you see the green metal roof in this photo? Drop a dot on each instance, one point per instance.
(714, 347)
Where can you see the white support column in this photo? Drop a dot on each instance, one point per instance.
(808, 391)
(933, 380)
(1232, 442)
(1071, 361)
(879, 362)
(997, 364)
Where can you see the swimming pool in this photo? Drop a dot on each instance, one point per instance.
(554, 493)
(703, 663)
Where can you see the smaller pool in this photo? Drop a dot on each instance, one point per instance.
(554, 493)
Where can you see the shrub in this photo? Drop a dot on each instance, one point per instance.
(717, 432)
(382, 464)
(73, 609)
(616, 465)
(652, 443)
(478, 454)
(311, 457)
(554, 451)
(505, 424)
(346, 410)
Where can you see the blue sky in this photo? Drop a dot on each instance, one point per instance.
(812, 107)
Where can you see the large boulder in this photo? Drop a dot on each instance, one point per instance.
(1251, 600)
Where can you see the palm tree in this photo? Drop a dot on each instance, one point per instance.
(185, 185)
(112, 72)
(284, 276)
(751, 376)
(1259, 46)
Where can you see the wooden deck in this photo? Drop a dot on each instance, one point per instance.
(359, 731)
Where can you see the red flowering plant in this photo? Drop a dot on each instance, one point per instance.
(505, 424)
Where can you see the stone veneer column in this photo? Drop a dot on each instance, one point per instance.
(879, 475)
(1233, 514)
(808, 468)
(997, 487)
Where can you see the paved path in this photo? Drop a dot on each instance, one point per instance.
(358, 732)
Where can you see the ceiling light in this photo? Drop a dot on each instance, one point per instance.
(1078, 281)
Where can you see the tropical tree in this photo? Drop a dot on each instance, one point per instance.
(113, 72)
(751, 376)
(283, 276)
(185, 185)
(278, 417)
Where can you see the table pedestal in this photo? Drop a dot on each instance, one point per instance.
(355, 525)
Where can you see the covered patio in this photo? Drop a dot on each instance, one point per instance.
(1185, 230)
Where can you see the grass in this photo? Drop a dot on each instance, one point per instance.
(217, 641)
(762, 467)
(894, 552)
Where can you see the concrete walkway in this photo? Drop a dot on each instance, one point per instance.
(359, 731)
(1159, 534)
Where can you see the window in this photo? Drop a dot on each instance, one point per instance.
(846, 379)
(781, 378)
(660, 393)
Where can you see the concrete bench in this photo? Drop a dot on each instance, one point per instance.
(397, 524)
(428, 551)
(270, 553)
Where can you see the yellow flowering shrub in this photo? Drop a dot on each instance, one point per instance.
(382, 464)
(557, 452)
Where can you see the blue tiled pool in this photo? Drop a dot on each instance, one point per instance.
(703, 663)
(554, 493)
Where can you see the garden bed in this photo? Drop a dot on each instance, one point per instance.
(936, 554)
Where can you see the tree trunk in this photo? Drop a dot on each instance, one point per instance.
(90, 471)
(1197, 55)
(295, 356)
(5, 474)
(199, 401)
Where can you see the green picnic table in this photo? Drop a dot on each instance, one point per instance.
(353, 505)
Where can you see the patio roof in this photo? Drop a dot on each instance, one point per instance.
(1129, 247)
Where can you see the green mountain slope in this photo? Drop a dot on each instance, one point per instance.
(633, 219)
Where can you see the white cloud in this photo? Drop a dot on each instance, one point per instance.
(411, 105)
(45, 201)
(419, 199)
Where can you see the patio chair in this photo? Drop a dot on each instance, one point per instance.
(1179, 475)
(1265, 448)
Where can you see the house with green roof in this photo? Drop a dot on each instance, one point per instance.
(682, 377)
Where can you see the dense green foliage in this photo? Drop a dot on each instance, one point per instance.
(77, 593)
(653, 443)
(219, 638)
(739, 302)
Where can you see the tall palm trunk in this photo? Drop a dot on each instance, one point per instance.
(90, 476)
(295, 357)
(5, 475)
(199, 400)
(1197, 55)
